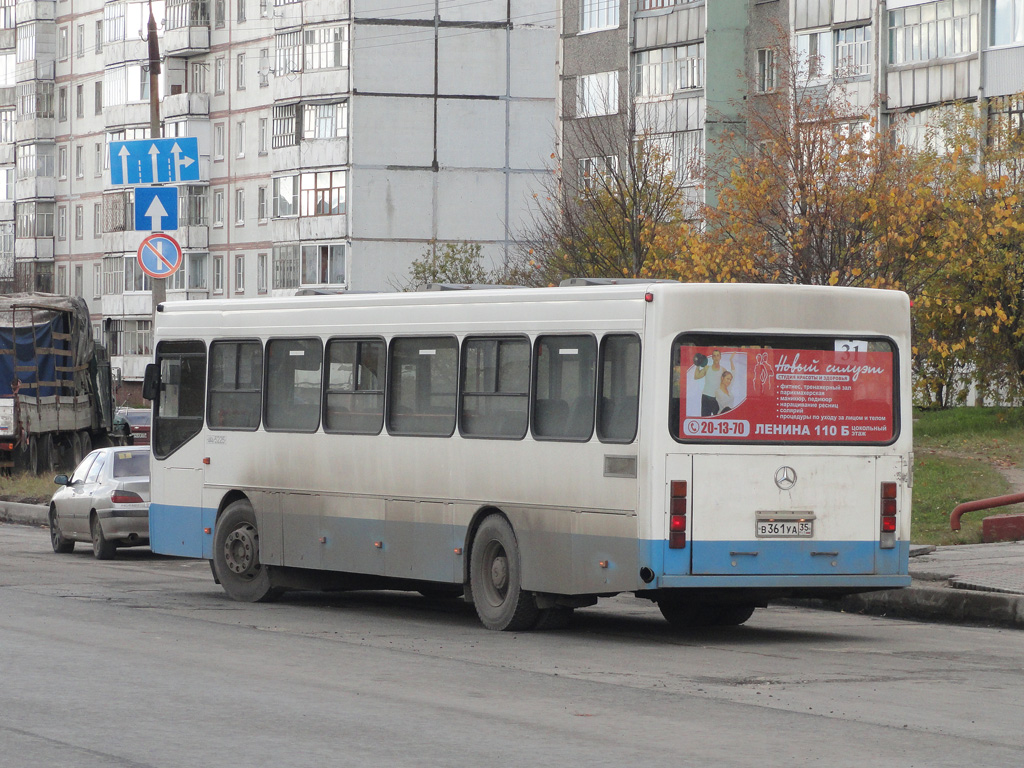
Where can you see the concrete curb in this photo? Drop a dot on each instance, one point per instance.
(24, 514)
(933, 603)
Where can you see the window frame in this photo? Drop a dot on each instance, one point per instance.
(268, 403)
(497, 392)
(391, 399)
(534, 388)
(359, 341)
(224, 392)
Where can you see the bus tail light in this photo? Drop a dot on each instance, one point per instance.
(677, 516)
(887, 536)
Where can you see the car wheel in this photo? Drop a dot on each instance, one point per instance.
(236, 555)
(60, 545)
(495, 575)
(102, 547)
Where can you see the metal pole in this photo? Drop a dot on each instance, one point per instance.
(159, 291)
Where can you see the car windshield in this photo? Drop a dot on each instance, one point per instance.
(137, 418)
(131, 464)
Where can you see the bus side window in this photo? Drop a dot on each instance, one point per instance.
(293, 384)
(495, 387)
(354, 393)
(564, 372)
(422, 383)
(619, 387)
(236, 384)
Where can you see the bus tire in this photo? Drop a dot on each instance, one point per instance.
(691, 615)
(495, 574)
(734, 614)
(102, 547)
(60, 545)
(236, 555)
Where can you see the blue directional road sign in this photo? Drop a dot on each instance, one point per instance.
(151, 161)
(156, 209)
(159, 255)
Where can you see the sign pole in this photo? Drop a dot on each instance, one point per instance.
(159, 289)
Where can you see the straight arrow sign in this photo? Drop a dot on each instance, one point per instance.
(156, 209)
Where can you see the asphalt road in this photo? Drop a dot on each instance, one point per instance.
(143, 661)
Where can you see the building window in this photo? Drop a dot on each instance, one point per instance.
(62, 162)
(240, 71)
(98, 98)
(264, 70)
(7, 15)
(62, 43)
(664, 71)
(113, 21)
(197, 271)
(219, 76)
(286, 266)
(934, 30)
(598, 94)
(286, 125)
(1007, 22)
(99, 36)
(324, 121)
(688, 160)
(261, 273)
(814, 55)
(34, 219)
(79, 161)
(98, 159)
(219, 12)
(853, 50)
(765, 70)
(134, 278)
(79, 286)
(79, 222)
(218, 141)
(62, 222)
(323, 264)
(322, 193)
(218, 274)
(288, 50)
(598, 14)
(240, 11)
(218, 208)
(263, 137)
(62, 104)
(240, 274)
(97, 281)
(35, 160)
(35, 98)
(596, 172)
(193, 206)
(198, 79)
(97, 219)
(79, 101)
(239, 207)
(240, 138)
(325, 48)
(286, 196)
(80, 41)
(7, 117)
(113, 275)
(261, 204)
(62, 280)
(119, 211)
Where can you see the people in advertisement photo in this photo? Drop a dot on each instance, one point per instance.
(715, 388)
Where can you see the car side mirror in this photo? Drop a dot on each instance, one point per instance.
(62, 480)
(151, 381)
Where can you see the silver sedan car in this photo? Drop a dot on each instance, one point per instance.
(105, 501)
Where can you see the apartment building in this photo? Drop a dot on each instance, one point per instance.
(683, 66)
(338, 140)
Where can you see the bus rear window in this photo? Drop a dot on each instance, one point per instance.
(783, 389)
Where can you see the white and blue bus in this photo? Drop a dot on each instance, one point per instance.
(707, 447)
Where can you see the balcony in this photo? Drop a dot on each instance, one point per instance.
(33, 249)
(36, 10)
(186, 105)
(35, 188)
(30, 129)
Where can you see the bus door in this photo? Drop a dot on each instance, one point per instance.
(783, 514)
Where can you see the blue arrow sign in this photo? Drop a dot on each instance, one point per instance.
(150, 161)
(156, 209)
(159, 255)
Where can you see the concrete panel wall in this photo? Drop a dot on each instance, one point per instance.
(531, 134)
(385, 63)
(472, 62)
(534, 62)
(392, 131)
(470, 205)
(1003, 71)
(473, 131)
(388, 203)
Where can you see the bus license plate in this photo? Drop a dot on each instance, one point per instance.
(783, 529)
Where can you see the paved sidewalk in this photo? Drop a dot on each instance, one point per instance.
(973, 583)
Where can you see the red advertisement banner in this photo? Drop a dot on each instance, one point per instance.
(754, 394)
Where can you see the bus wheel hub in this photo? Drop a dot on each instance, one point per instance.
(240, 550)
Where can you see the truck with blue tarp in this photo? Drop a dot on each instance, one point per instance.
(56, 399)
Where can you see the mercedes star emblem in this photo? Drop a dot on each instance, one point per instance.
(785, 478)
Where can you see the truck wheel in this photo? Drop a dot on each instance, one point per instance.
(236, 555)
(495, 574)
(102, 547)
(60, 545)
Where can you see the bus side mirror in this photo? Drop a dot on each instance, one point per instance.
(151, 382)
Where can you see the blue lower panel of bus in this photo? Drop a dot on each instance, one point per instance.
(175, 530)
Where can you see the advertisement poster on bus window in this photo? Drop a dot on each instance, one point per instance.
(749, 394)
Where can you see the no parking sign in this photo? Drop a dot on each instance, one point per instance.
(159, 255)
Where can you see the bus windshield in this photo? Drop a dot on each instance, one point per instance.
(803, 389)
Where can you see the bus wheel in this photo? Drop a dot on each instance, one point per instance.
(734, 615)
(236, 555)
(60, 545)
(496, 578)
